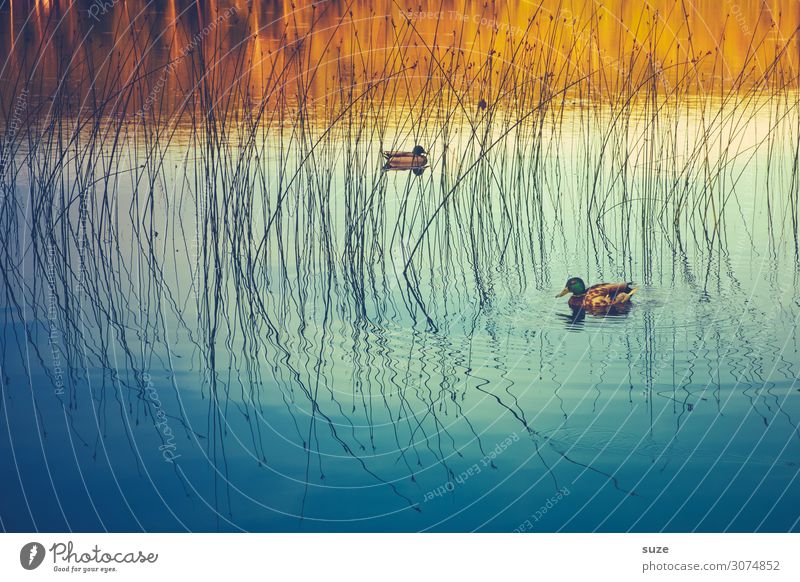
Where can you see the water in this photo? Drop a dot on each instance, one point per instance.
(162, 399)
(238, 322)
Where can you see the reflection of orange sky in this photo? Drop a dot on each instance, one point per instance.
(273, 44)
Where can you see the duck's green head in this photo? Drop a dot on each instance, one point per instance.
(418, 150)
(575, 285)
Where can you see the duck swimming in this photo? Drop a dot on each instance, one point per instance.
(597, 297)
(413, 160)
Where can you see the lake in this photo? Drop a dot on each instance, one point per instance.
(221, 313)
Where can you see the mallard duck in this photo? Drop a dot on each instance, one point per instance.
(413, 160)
(597, 297)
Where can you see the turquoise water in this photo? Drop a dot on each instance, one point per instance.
(154, 380)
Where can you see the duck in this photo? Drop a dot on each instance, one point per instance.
(413, 160)
(597, 297)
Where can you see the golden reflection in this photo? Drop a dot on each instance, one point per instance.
(180, 53)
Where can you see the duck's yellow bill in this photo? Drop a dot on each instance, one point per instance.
(564, 292)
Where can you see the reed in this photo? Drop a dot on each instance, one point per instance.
(205, 167)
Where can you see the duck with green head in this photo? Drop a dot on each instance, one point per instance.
(413, 160)
(597, 297)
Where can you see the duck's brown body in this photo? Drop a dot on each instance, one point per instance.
(602, 296)
(404, 160)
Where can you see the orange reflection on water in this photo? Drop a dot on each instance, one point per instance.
(181, 53)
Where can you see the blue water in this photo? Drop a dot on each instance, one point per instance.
(219, 313)
(172, 370)
(680, 415)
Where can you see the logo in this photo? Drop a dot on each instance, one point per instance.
(31, 555)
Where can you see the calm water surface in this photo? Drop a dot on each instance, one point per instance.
(161, 399)
(220, 314)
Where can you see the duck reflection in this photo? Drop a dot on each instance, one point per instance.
(415, 171)
(416, 160)
(576, 318)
